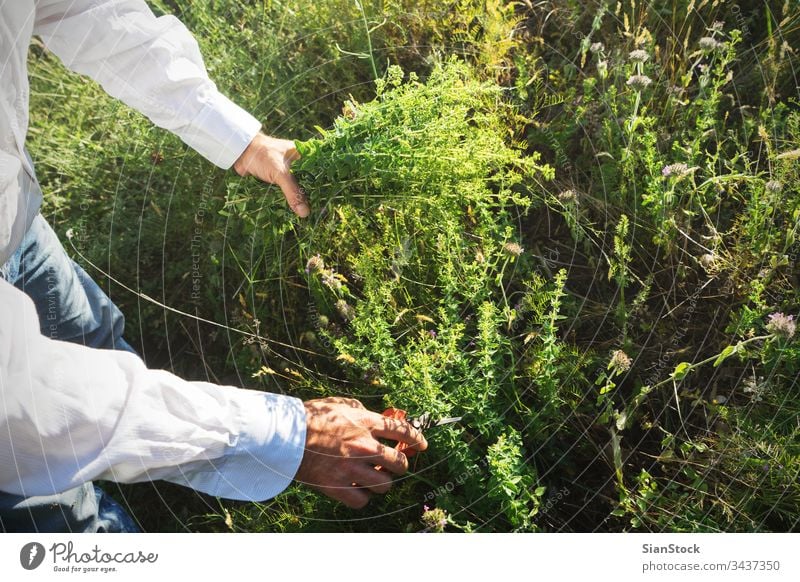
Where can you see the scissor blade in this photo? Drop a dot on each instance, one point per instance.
(425, 421)
(448, 420)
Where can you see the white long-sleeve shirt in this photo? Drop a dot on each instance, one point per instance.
(70, 414)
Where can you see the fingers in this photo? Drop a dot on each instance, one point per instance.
(294, 195)
(352, 402)
(268, 159)
(391, 459)
(398, 430)
(291, 154)
(354, 485)
(352, 495)
(341, 460)
(376, 481)
(354, 498)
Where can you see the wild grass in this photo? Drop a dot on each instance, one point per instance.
(568, 223)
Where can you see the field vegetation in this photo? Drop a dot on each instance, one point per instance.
(575, 224)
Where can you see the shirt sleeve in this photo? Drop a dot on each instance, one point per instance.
(71, 414)
(152, 64)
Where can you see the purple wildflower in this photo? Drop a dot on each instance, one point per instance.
(781, 325)
(639, 82)
(638, 56)
(679, 169)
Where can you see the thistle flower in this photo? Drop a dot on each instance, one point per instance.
(717, 26)
(331, 281)
(434, 519)
(679, 169)
(346, 310)
(567, 195)
(513, 249)
(755, 389)
(315, 264)
(596, 47)
(781, 325)
(639, 82)
(708, 44)
(708, 260)
(308, 337)
(638, 56)
(620, 361)
(602, 68)
(349, 110)
(773, 186)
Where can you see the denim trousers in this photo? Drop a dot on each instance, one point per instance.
(71, 307)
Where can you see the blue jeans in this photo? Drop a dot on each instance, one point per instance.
(71, 307)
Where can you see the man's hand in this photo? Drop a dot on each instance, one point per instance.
(342, 450)
(268, 159)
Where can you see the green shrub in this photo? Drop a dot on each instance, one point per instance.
(413, 263)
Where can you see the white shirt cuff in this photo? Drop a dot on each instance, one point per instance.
(263, 460)
(221, 131)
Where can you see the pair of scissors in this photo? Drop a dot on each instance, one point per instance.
(421, 423)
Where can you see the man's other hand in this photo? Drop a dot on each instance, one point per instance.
(342, 450)
(268, 159)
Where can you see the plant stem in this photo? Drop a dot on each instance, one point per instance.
(712, 358)
(369, 39)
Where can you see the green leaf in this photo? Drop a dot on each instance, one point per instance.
(729, 351)
(681, 370)
(607, 388)
(621, 420)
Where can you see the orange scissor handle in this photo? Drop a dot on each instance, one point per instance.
(405, 448)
